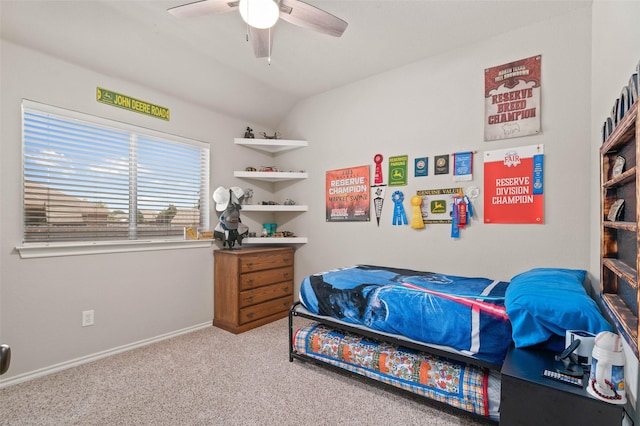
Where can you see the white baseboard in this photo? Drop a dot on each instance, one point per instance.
(24, 377)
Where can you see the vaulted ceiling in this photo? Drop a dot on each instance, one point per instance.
(207, 60)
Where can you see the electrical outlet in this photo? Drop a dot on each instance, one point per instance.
(87, 318)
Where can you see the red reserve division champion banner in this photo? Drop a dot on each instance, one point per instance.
(513, 182)
(512, 99)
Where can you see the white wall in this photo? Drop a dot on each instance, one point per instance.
(136, 296)
(436, 107)
(615, 55)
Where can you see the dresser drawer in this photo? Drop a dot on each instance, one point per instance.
(262, 294)
(259, 262)
(265, 309)
(262, 278)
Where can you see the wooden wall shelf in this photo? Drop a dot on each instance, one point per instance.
(620, 240)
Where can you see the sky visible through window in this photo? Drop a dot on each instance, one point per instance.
(93, 164)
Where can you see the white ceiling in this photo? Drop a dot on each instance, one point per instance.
(206, 60)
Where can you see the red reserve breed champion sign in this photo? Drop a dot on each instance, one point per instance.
(513, 181)
(512, 99)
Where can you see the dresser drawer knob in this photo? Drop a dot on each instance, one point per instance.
(250, 299)
(286, 259)
(250, 265)
(250, 315)
(285, 274)
(250, 281)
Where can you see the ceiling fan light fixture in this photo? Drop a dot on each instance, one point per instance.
(260, 14)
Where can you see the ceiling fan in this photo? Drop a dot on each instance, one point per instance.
(261, 15)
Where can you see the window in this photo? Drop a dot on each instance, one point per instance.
(92, 179)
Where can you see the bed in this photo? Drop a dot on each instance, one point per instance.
(439, 336)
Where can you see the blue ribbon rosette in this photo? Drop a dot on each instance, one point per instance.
(399, 216)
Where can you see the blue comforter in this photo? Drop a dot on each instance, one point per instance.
(466, 314)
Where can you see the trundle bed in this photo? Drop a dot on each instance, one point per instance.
(438, 336)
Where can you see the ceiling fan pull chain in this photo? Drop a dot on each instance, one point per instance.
(248, 29)
(269, 59)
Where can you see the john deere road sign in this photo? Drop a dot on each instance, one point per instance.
(132, 104)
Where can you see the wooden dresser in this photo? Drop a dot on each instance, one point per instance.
(252, 287)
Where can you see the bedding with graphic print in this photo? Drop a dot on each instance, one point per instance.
(462, 313)
(456, 384)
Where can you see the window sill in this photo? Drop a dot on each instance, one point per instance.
(35, 250)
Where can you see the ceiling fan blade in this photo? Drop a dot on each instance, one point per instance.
(203, 7)
(261, 41)
(304, 15)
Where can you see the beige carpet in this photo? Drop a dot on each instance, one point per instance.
(212, 377)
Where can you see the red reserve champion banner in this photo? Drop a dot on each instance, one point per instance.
(513, 182)
(348, 194)
(512, 99)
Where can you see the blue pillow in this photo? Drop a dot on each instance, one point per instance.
(546, 302)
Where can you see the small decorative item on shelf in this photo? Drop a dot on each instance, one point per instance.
(250, 169)
(269, 203)
(248, 196)
(633, 88)
(622, 105)
(289, 202)
(249, 133)
(268, 169)
(276, 135)
(270, 228)
(615, 212)
(283, 234)
(205, 235)
(618, 166)
(190, 233)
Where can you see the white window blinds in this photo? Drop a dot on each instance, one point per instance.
(91, 179)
